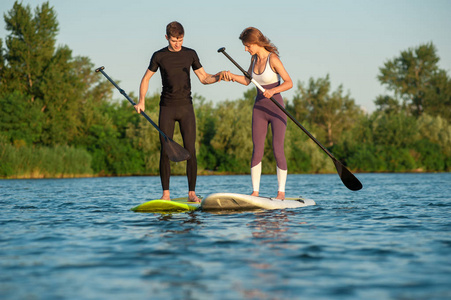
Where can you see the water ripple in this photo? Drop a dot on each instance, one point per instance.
(77, 239)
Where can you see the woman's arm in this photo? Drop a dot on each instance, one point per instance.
(277, 66)
(238, 78)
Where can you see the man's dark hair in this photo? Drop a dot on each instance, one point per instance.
(175, 29)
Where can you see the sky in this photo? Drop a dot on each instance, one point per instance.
(349, 40)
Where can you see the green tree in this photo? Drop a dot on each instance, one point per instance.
(23, 63)
(333, 112)
(302, 154)
(417, 82)
(20, 120)
(206, 130)
(385, 103)
(395, 129)
(49, 86)
(438, 96)
(436, 129)
(31, 45)
(233, 135)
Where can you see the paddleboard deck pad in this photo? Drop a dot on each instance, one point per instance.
(165, 206)
(232, 201)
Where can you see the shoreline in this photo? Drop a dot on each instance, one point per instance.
(36, 175)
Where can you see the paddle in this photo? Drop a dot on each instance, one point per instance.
(348, 179)
(174, 151)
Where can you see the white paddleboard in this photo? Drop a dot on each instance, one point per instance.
(232, 201)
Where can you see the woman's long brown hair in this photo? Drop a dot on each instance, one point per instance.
(252, 35)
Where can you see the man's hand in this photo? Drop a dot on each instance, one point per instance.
(227, 76)
(140, 107)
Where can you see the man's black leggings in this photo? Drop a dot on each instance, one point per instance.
(187, 122)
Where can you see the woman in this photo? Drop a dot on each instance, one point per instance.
(267, 69)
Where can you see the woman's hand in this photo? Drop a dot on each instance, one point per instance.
(228, 76)
(269, 93)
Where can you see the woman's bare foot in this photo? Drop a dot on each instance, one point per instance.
(254, 193)
(192, 197)
(280, 195)
(166, 195)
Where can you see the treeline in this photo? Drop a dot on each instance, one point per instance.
(57, 117)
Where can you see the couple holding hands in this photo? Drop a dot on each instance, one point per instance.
(266, 68)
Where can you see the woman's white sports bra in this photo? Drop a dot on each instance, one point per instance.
(268, 76)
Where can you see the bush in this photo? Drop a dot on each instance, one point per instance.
(429, 156)
(43, 162)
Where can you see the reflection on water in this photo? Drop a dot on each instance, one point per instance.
(270, 226)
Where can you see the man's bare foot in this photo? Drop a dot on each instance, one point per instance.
(280, 195)
(192, 197)
(166, 195)
(254, 193)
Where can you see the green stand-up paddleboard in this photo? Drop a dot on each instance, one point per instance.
(165, 206)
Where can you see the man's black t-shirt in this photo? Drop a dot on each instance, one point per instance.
(175, 74)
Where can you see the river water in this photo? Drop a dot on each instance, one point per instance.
(77, 239)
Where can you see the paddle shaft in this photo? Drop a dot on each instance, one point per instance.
(174, 151)
(277, 103)
(130, 100)
(347, 177)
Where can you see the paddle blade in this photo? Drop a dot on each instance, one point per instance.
(174, 151)
(348, 179)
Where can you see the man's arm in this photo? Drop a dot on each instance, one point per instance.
(144, 86)
(206, 78)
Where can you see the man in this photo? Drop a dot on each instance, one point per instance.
(174, 62)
